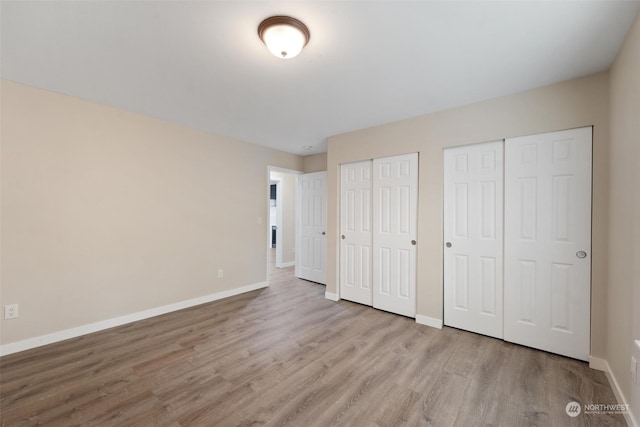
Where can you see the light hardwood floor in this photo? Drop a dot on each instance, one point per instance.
(285, 355)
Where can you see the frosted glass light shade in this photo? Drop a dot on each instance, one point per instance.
(284, 41)
(284, 36)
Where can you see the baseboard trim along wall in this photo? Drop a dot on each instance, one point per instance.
(286, 264)
(122, 320)
(429, 321)
(597, 364)
(331, 296)
(603, 365)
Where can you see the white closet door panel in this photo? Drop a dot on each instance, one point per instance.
(473, 252)
(356, 232)
(395, 196)
(547, 231)
(311, 246)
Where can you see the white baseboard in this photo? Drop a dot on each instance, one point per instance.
(331, 296)
(122, 320)
(597, 363)
(286, 264)
(429, 321)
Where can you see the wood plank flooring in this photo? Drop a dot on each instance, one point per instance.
(285, 355)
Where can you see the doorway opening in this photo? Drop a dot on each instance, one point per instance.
(281, 227)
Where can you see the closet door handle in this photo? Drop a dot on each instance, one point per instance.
(343, 237)
(413, 242)
(448, 244)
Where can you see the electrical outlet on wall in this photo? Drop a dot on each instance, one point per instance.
(10, 311)
(220, 273)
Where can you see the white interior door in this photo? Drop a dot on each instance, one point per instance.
(355, 232)
(311, 246)
(395, 206)
(548, 241)
(473, 207)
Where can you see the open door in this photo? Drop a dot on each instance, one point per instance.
(311, 246)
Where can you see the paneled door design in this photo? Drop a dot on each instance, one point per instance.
(311, 245)
(548, 241)
(473, 207)
(356, 232)
(395, 197)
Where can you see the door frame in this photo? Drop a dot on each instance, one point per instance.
(277, 169)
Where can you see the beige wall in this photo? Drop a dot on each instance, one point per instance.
(287, 243)
(575, 103)
(106, 213)
(623, 315)
(314, 163)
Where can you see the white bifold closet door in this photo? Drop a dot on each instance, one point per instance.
(473, 207)
(378, 224)
(548, 241)
(356, 232)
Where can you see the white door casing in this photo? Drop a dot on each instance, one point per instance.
(311, 242)
(395, 206)
(356, 232)
(547, 282)
(473, 236)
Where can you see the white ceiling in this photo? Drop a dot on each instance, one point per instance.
(201, 64)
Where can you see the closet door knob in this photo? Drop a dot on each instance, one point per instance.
(343, 237)
(581, 254)
(413, 242)
(448, 244)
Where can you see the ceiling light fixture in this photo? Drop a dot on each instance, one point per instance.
(284, 36)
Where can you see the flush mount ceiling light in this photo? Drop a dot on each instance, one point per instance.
(284, 36)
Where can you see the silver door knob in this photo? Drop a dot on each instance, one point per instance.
(343, 237)
(448, 244)
(323, 233)
(413, 242)
(581, 254)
